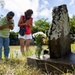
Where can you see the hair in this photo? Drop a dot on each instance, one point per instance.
(10, 13)
(29, 12)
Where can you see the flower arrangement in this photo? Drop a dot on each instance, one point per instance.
(39, 41)
(39, 38)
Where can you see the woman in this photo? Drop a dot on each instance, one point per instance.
(26, 22)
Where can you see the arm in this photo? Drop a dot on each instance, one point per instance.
(12, 25)
(5, 26)
(29, 22)
(20, 22)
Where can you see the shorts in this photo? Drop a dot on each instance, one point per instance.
(25, 37)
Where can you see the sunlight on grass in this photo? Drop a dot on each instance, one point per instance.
(16, 53)
(17, 64)
(17, 67)
(73, 47)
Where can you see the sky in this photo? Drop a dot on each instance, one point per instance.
(41, 8)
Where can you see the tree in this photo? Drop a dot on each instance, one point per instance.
(72, 24)
(14, 38)
(2, 3)
(41, 25)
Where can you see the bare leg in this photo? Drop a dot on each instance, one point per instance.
(27, 44)
(22, 46)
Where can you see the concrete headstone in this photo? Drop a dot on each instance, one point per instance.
(59, 32)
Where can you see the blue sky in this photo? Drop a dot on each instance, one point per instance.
(41, 8)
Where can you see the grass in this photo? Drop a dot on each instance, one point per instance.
(17, 64)
(73, 47)
(17, 67)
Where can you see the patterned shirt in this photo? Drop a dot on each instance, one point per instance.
(6, 31)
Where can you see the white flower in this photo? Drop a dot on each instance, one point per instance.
(39, 34)
(39, 38)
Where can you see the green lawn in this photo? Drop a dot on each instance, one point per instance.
(33, 48)
(73, 47)
(17, 64)
(16, 50)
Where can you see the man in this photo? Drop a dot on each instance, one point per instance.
(6, 23)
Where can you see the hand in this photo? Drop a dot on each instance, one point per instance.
(9, 23)
(11, 27)
(27, 22)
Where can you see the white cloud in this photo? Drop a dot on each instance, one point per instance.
(70, 15)
(2, 3)
(19, 7)
(44, 12)
(45, 2)
(41, 8)
(72, 2)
